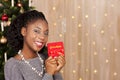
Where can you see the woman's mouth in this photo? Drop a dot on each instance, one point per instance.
(39, 44)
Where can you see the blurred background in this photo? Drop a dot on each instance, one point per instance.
(90, 30)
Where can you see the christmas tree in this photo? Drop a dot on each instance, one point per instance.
(9, 10)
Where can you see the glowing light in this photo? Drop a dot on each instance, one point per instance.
(79, 25)
(78, 7)
(102, 32)
(54, 8)
(95, 53)
(60, 16)
(86, 70)
(95, 71)
(107, 61)
(60, 35)
(115, 73)
(86, 34)
(62, 71)
(94, 25)
(79, 44)
(86, 16)
(104, 48)
(55, 24)
(93, 43)
(115, 50)
(73, 17)
(112, 5)
(80, 79)
(74, 71)
(105, 14)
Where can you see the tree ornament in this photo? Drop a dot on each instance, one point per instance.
(2, 26)
(21, 10)
(4, 17)
(19, 4)
(12, 3)
(1, 4)
(8, 23)
(3, 40)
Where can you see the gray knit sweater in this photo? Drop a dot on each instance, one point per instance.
(19, 70)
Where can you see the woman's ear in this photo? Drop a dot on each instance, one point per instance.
(23, 31)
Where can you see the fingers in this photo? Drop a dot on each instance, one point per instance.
(61, 60)
(61, 53)
(51, 60)
(51, 65)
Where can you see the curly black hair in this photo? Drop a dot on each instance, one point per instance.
(14, 37)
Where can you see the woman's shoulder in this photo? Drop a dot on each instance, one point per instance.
(12, 62)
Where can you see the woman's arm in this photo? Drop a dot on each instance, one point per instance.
(58, 76)
(11, 71)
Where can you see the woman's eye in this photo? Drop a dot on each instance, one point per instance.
(36, 31)
(46, 33)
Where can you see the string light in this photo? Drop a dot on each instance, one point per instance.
(78, 7)
(104, 48)
(60, 16)
(62, 71)
(94, 25)
(93, 43)
(60, 35)
(95, 71)
(112, 5)
(106, 60)
(79, 44)
(115, 73)
(54, 8)
(105, 14)
(55, 24)
(73, 17)
(74, 71)
(79, 25)
(86, 16)
(86, 34)
(95, 53)
(115, 50)
(86, 70)
(102, 31)
(80, 79)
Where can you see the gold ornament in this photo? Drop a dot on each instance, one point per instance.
(21, 10)
(19, 4)
(3, 40)
(8, 23)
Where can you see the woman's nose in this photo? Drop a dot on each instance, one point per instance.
(42, 36)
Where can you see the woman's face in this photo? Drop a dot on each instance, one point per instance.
(35, 35)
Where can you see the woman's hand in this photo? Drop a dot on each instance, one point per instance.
(51, 65)
(60, 62)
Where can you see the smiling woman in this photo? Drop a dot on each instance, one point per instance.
(28, 35)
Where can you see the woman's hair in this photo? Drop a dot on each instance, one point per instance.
(14, 37)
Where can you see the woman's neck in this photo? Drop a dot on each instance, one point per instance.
(28, 53)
